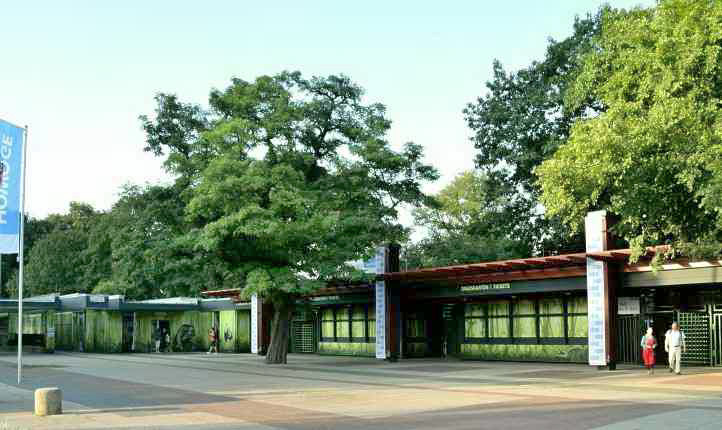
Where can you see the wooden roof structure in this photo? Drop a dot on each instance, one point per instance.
(531, 268)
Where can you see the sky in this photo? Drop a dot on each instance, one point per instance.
(79, 73)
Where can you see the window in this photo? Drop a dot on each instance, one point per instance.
(327, 325)
(475, 321)
(577, 314)
(544, 320)
(551, 318)
(498, 319)
(342, 327)
(524, 319)
(355, 323)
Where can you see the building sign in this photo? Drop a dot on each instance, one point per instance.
(325, 299)
(380, 320)
(596, 289)
(480, 288)
(255, 308)
(628, 306)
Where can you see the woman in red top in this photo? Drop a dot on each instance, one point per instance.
(649, 343)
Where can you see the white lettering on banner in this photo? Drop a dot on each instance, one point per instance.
(254, 324)
(594, 225)
(380, 320)
(5, 152)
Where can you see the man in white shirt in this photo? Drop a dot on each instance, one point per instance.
(675, 346)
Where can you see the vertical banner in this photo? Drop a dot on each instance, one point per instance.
(380, 320)
(11, 170)
(255, 310)
(597, 287)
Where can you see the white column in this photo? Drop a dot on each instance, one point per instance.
(255, 324)
(595, 226)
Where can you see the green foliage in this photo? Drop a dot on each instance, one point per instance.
(652, 157)
(291, 178)
(464, 225)
(520, 122)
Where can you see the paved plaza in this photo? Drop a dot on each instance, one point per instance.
(229, 391)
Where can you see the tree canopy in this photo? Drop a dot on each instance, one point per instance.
(286, 180)
(652, 155)
(520, 122)
(464, 225)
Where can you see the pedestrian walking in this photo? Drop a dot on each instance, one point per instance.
(675, 345)
(213, 340)
(649, 344)
(156, 338)
(167, 341)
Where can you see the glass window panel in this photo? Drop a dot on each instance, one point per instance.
(551, 326)
(498, 308)
(357, 328)
(525, 327)
(551, 306)
(327, 314)
(474, 310)
(524, 307)
(327, 329)
(578, 326)
(577, 305)
(498, 327)
(372, 311)
(342, 314)
(359, 313)
(342, 328)
(474, 327)
(372, 327)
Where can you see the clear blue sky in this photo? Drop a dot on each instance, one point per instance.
(79, 73)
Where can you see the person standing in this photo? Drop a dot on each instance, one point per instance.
(675, 345)
(649, 343)
(156, 338)
(213, 340)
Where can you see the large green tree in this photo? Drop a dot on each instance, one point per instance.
(521, 121)
(652, 157)
(288, 179)
(463, 226)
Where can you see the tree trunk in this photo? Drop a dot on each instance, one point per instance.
(280, 331)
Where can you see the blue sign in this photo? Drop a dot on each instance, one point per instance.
(11, 179)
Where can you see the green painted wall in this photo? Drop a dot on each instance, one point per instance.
(103, 331)
(555, 353)
(235, 331)
(65, 334)
(347, 348)
(201, 322)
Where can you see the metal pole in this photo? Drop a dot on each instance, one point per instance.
(20, 260)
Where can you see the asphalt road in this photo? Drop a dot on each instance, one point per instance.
(229, 391)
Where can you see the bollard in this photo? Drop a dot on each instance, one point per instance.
(48, 401)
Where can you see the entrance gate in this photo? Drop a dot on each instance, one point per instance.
(303, 339)
(716, 338)
(629, 334)
(695, 326)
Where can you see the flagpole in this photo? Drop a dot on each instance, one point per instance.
(21, 259)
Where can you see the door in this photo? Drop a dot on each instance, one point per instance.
(303, 338)
(128, 331)
(629, 334)
(660, 324)
(716, 338)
